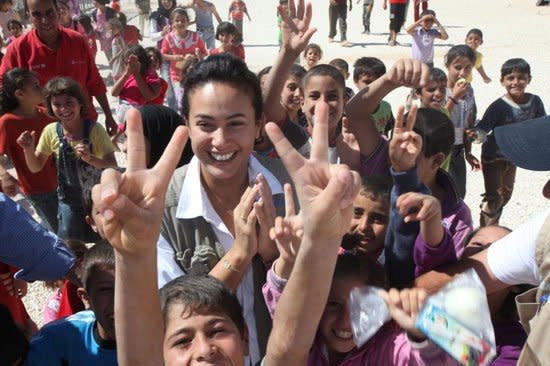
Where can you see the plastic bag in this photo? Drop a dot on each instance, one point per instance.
(368, 313)
(457, 319)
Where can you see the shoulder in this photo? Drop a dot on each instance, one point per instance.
(22, 43)
(174, 188)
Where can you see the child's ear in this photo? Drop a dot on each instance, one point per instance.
(83, 295)
(19, 93)
(437, 160)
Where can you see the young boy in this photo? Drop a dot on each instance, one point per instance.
(423, 36)
(237, 11)
(367, 11)
(515, 106)
(432, 95)
(474, 39)
(343, 67)
(365, 71)
(88, 337)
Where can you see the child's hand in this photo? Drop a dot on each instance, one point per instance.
(27, 140)
(10, 186)
(287, 232)
(415, 206)
(487, 80)
(460, 89)
(404, 307)
(408, 72)
(165, 30)
(244, 220)
(83, 152)
(134, 65)
(348, 147)
(474, 162)
(428, 17)
(296, 32)
(265, 211)
(405, 145)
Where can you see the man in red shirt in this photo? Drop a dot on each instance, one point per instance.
(338, 10)
(51, 50)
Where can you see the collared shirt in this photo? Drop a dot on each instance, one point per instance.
(25, 244)
(194, 202)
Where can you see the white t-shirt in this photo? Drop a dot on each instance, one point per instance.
(512, 258)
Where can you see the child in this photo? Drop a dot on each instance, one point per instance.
(515, 106)
(312, 55)
(155, 57)
(365, 71)
(432, 95)
(65, 301)
(474, 39)
(16, 30)
(6, 14)
(338, 12)
(118, 48)
(398, 11)
(81, 148)
(178, 44)
(130, 33)
(205, 12)
(343, 67)
(88, 32)
(20, 98)
(87, 337)
(237, 11)
(462, 107)
(367, 11)
(65, 17)
(101, 15)
(423, 36)
(139, 85)
(229, 37)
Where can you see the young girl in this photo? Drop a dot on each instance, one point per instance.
(118, 48)
(101, 15)
(139, 85)
(87, 30)
(130, 33)
(462, 107)
(65, 16)
(155, 58)
(178, 44)
(312, 55)
(16, 30)
(81, 147)
(6, 14)
(20, 98)
(229, 36)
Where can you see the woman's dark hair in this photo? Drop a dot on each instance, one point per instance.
(187, 65)
(368, 66)
(66, 86)
(436, 130)
(13, 80)
(201, 293)
(223, 68)
(100, 257)
(86, 23)
(325, 70)
(139, 51)
(515, 64)
(226, 28)
(156, 51)
(460, 50)
(180, 11)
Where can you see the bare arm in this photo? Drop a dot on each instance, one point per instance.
(411, 28)
(215, 13)
(108, 161)
(110, 123)
(483, 74)
(444, 36)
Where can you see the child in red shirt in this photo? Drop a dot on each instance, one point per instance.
(155, 57)
(87, 30)
(228, 35)
(237, 11)
(130, 33)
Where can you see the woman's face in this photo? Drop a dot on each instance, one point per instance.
(222, 128)
(167, 4)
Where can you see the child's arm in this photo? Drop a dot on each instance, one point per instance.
(215, 13)
(246, 12)
(412, 28)
(483, 74)
(34, 159)
(443, 33)
(149, 91)
(296, 35)
(132, 204)
(427, 210)
(470, 158)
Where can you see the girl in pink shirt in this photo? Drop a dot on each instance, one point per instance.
(229, 37)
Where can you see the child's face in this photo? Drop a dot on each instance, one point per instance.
(155, 62)
(15, 30)
(202, 337)
(335, 323)
(474, 41)
(364, 80)
(67, 109)
(515, 84)
(427, 23)
(460, 67)
(180, 22)
(368, 225)
(101, 299)
(32, 92)
(312, 57)
(433, 95)
(323, 89)
(226, 38)
(291, 96)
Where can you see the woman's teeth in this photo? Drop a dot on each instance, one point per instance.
(222, 157)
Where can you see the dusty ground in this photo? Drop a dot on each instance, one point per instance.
(511, 28)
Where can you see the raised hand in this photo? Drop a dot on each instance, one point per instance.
(265, 211)
(405, 145)
(296, 32)
(132, 202)
(83, 152)
(27, 140)
(404, 306)
(244, 220)
(415, 206)
(133, 65)
(408, 72)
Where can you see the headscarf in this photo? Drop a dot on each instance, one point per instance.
(162, 12)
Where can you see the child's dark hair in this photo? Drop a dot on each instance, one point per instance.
(86, 23)
(475, 31)
(103, 2)
(517, 65)
(13, 80)
(349, 265)
(313, 46)
(228, 69)
(427, 12)
(78, 248)
(297, 71)
(226, 28)
(378, 187)
(199, 293)
(156, 51)
(457, 51)
(264, 72)
(115, 23)
(368, 66)
(14, 22)
(100, 257)
(325, 70)
(437, 75)
(122, 18)
(180, 11)
(139, 51)
(340, 64)
(187, 65)
(65, 86)
(436, 130)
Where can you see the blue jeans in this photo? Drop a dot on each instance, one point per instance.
(208, 36)
(72, 223)
(45, 205)
(170, 98)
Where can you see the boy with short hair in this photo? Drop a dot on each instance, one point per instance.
(515, 106)
(87, 337)
(343, 67)
(474, 39)
(423, 36)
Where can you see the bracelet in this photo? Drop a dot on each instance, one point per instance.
(453, 100)
(229, 267)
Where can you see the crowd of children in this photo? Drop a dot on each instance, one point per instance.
(247, 253)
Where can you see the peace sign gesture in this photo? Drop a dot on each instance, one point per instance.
(295, 25)
(325, 193)
(405, 145)
(132, 202)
